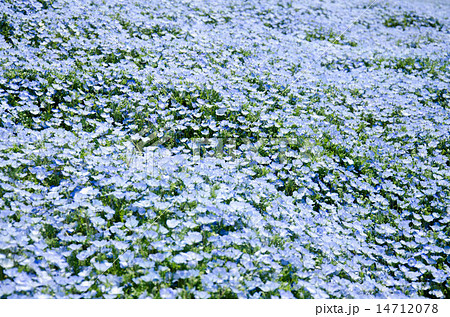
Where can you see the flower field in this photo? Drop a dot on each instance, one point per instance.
(224, 149)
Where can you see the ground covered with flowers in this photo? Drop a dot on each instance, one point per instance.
(224, 149)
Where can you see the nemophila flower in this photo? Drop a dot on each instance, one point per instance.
(172, 223)
(187, 257)
(185, 274)
(101, 266)
(149, 277)
(120, 245)
(84, 286)
(131, 223)
(269, 286)
(98, 221)
(83, 255)
(167, 293)
(192, 238)
(23, 282)
(126, 259)
(201, 294)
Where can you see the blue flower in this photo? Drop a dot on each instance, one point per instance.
(192, 238)
(167, 293)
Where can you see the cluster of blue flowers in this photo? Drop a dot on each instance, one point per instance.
(224, 149)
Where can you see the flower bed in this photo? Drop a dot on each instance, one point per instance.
(238, 149)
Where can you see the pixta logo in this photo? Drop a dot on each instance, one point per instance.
(297, 150)
(337, 309)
